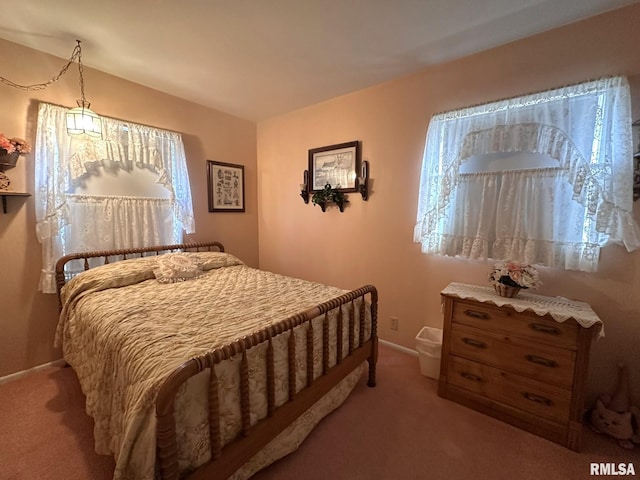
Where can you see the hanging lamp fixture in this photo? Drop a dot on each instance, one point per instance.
(81, 119)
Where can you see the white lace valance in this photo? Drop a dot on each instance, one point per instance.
(584, 130)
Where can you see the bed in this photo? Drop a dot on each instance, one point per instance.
(213, 372)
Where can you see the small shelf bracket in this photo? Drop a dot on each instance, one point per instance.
(4, 196)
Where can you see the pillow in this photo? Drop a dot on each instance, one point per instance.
(176, 267)
(110, 275)
(213, 260)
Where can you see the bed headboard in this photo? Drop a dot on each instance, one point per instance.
(123, 254)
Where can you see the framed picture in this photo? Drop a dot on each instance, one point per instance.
(225, 185)
(336, 165)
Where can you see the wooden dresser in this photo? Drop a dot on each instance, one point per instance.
(522, 360)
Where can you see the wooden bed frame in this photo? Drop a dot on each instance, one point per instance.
(226, 460)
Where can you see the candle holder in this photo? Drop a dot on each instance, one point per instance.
(304, 187)
(363, 180)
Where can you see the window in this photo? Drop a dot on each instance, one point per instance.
(76, 210)
(545, 178)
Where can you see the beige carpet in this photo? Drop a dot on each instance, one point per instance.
(399, 430)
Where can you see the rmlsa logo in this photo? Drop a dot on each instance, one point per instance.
(612, 469)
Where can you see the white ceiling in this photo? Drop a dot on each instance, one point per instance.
(260, 58)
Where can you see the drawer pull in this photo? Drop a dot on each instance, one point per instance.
(474, 343)
(538, 327)
(542, 361)
(476, 314)
(471, 376)
(537, 398)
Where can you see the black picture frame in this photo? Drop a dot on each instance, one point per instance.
(225, 187)
(338, 165)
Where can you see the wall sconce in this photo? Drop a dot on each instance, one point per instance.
(304, 187)
(363, 180)
(81, 119)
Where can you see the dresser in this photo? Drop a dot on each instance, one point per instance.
(522, 360)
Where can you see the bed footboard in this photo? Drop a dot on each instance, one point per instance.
(225, 460)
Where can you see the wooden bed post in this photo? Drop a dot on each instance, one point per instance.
(373, 357)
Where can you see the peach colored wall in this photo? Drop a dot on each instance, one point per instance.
(372, 242)
(27, 317)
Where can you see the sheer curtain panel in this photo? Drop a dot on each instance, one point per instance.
(113, 222)
(545, 178)
(66, 222)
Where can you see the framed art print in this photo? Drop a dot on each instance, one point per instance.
(225, 185)
(336, 165)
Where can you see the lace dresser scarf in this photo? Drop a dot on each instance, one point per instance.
(559, 308)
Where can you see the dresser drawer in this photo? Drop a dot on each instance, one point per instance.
(525, 324)
(545, 401)
(534, 360)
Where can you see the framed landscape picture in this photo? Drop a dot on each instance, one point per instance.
(225, 185)
(336, 165)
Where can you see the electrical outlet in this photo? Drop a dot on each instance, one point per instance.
(394, 323)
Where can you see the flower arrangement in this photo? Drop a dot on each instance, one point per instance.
(514, 274)
(14, 144)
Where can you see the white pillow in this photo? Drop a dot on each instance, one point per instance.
(176, 267)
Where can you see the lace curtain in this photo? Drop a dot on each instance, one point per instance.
(545, 179)
(64, 161)
(107, 221)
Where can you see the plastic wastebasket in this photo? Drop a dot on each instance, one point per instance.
(429, 344)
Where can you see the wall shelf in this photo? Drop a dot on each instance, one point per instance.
(4, 196)
(323, 204)
(8, 161)
(336, 196)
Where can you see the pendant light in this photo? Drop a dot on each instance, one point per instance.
(81, 120)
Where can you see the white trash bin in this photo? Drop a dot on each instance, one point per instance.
(429, 344)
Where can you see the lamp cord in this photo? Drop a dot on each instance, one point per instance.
(76, 54)
(80, 70)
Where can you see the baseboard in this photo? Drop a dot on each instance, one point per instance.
(24, 373)
(395, 346)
